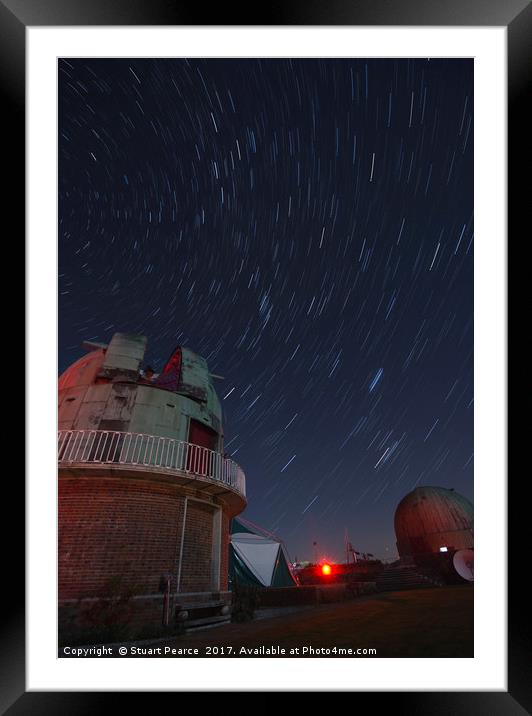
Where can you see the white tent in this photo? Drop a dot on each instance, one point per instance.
(257, 557)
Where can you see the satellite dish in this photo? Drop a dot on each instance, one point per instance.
(463, 562)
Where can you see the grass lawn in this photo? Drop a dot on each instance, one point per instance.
(416, 623)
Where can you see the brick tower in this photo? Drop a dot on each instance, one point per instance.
(146, 492)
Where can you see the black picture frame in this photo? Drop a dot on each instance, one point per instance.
(15, 17)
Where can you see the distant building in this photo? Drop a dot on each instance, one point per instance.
(146, 494)
(433, 520)
(431, 525)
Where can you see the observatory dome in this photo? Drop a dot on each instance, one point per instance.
(83, 372)
(433, 519)
(146, 490)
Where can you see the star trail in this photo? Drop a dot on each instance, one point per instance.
(307, 227)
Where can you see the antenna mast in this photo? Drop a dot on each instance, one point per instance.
(346, 543)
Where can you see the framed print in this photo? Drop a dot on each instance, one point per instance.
(266, 268)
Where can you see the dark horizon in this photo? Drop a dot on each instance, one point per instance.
(307, 227)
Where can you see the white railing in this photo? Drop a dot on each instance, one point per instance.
(108, 446)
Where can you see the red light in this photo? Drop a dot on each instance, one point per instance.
(326, 569)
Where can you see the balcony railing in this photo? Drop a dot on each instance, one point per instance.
(137, 449)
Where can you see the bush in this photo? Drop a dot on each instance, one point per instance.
(246, 599)
(104, 620)
(158, 631)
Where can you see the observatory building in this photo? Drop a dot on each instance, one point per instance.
(433, 520)
(146, 492)
(433, 527)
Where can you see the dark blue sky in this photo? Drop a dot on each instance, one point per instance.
(307, 227)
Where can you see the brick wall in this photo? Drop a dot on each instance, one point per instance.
(224, 553)
(123, 530)
(197, 563)
(124, 533)
(118, 535)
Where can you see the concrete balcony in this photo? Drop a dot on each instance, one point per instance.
(136, 453)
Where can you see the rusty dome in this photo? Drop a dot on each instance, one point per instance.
(433, 519)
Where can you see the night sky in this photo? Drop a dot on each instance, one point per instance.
(307, 227)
